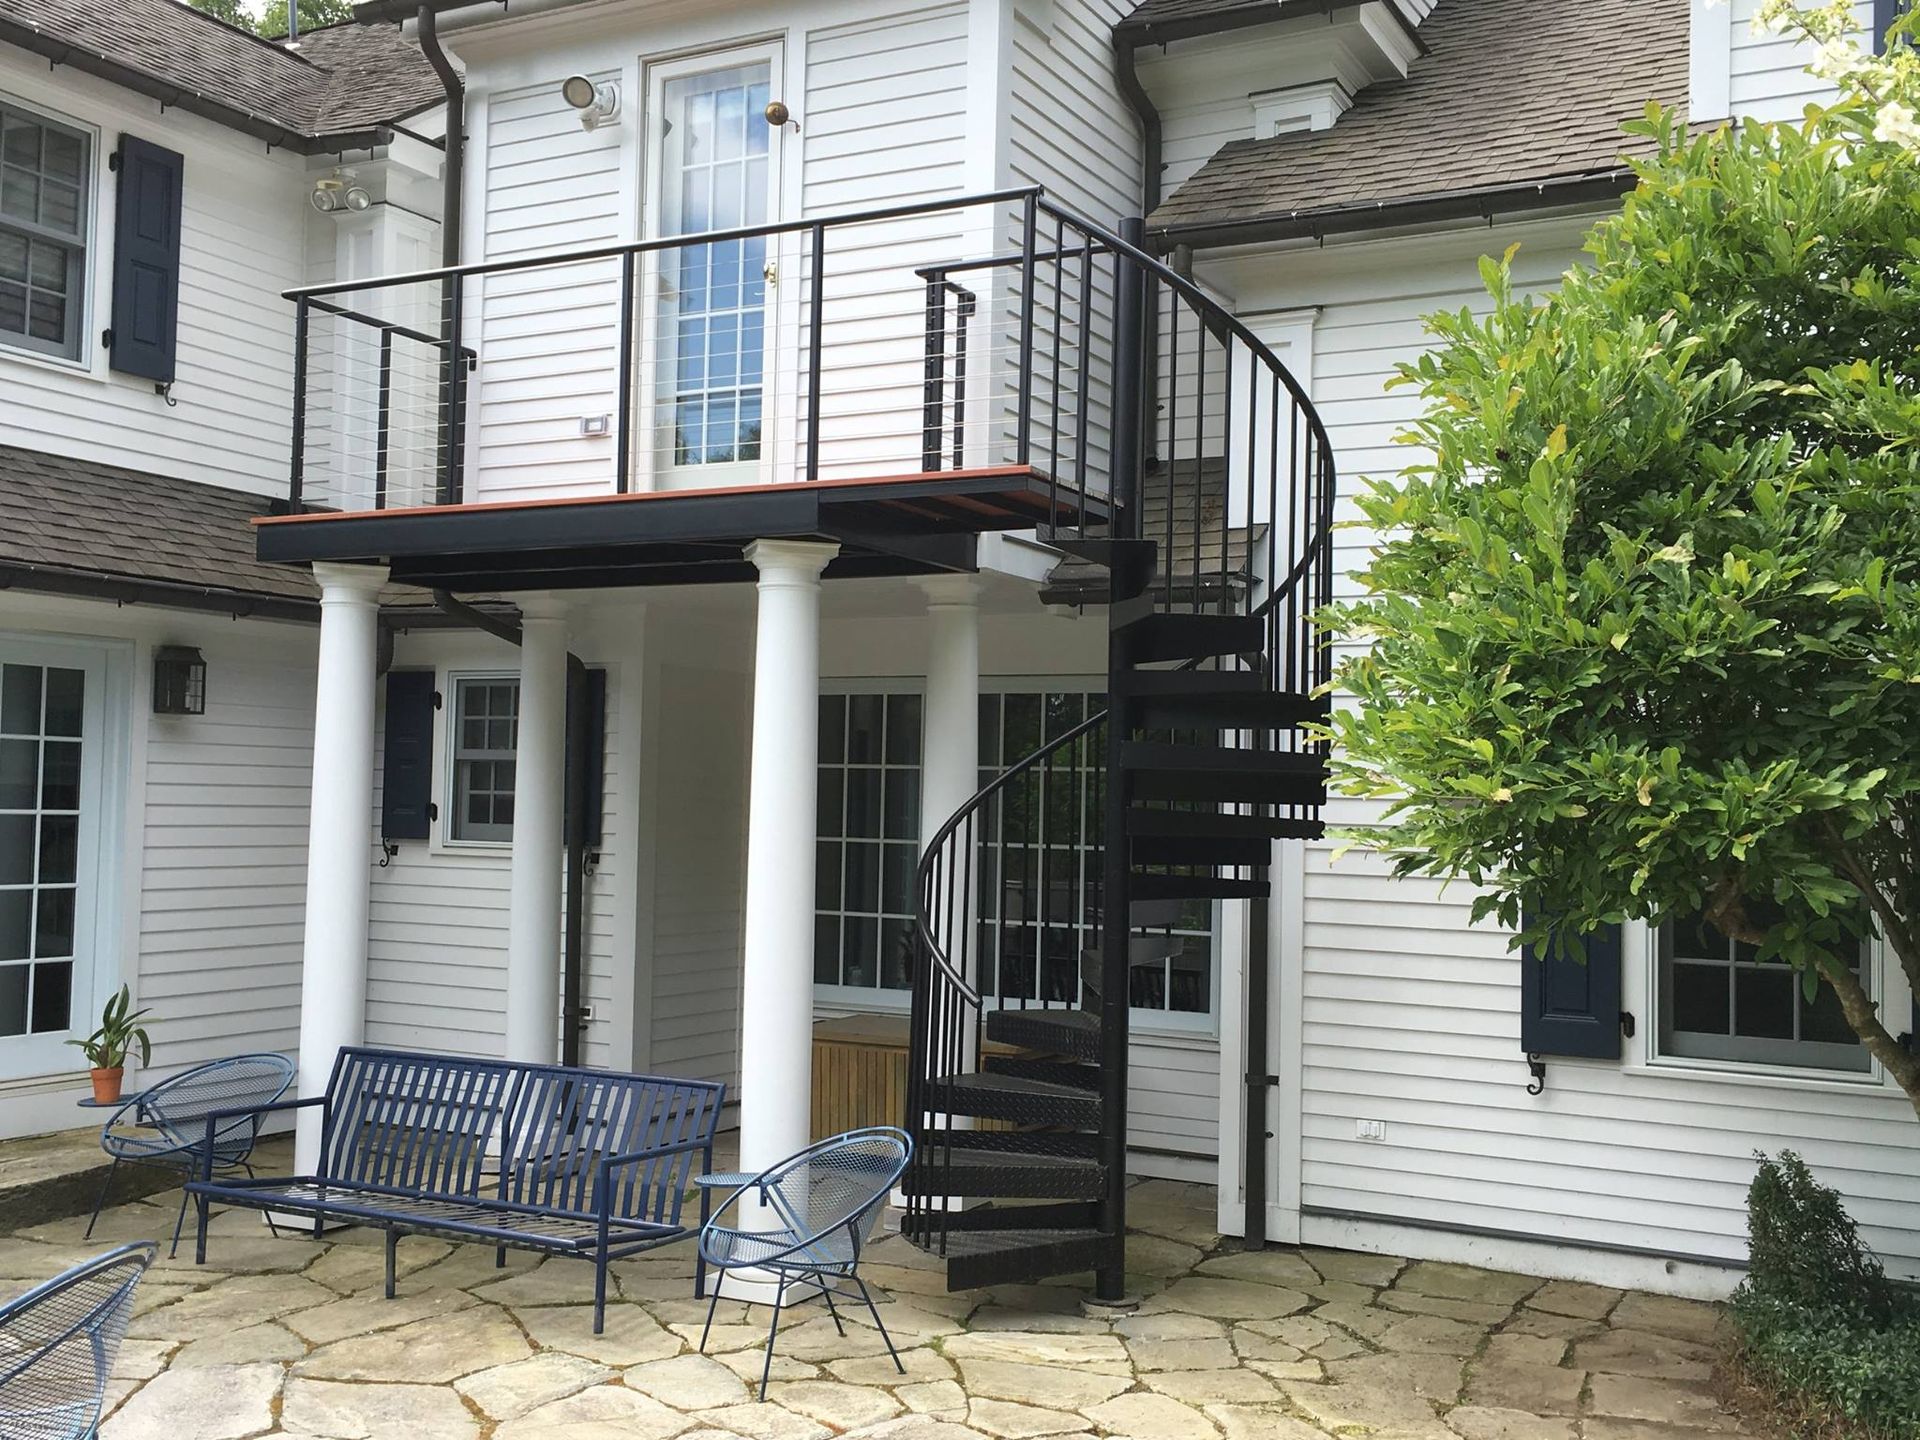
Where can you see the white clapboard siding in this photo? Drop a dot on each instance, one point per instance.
(437, 934)
(699, 775)
(1768, 79)
(224, 854)
(1173, 1093)
(241, 244)
(1411, 1016)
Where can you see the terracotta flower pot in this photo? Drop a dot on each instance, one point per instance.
(106, 1085)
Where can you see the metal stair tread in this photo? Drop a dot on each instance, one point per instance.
(1013, 1084)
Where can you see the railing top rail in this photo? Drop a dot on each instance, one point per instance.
(665, 242)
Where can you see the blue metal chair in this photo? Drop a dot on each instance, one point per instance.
(57, 1344)
(818, 1212)
(167, 1125)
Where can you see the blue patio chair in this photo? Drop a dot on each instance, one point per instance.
(167, 1125)
(57, 1344)
(820, 1207)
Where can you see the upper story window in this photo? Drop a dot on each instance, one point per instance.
(43, 232)
(486, 733)
(1720, 1001)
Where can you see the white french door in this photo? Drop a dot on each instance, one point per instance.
(50, 796)
(715, 163)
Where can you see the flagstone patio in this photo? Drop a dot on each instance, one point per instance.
(292, 1337)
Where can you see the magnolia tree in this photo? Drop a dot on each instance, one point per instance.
(1641, 634)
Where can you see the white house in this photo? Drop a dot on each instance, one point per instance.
(820, 508)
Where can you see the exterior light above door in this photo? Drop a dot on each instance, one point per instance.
(597, 101)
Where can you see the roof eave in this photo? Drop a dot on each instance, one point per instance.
(1551, 192)
(276, 135)
(171, 594)
(1135, 33)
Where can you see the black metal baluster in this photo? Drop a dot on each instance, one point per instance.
(384, 425)
(1085, 362)
(1023, 421)
(963, 310)
(816, 298)
(623, 456)
(296, 462)
(1053, 399)
(933, 383)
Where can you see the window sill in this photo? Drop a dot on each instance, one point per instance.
(1775, 1077)
(78, 369)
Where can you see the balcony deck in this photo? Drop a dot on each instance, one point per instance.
(913, 524)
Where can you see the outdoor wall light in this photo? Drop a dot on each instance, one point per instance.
(597, 102)
(336, 192)
(179, 681)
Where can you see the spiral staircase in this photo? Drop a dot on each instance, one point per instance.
(1037, 916)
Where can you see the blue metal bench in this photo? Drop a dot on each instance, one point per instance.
(565, 1161)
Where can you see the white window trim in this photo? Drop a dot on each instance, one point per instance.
(84, 359)
(1710, 61)
(1640, 996)
(849, 999)
(446, 732)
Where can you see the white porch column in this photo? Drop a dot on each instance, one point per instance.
(539, 786)
(333, 958)
(776, 1027)
(950, 760)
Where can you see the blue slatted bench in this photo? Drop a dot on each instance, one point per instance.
(561, 1160)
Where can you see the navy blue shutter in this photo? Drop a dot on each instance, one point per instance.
(1885, 12)
(406, 784)
(146, 260)
(1569, 1006)
(596, 756)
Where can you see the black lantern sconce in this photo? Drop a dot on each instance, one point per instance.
(179, 681)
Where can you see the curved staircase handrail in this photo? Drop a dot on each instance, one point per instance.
(926, 877)
(1217, 314)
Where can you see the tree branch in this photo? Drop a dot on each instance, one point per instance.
(1863, 1017)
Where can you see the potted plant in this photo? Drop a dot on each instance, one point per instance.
(106, 1049)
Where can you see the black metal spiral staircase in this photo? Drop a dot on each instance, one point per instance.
(1036, 913)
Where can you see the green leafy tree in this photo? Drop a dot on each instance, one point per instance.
(1642, 630)
(272, 19)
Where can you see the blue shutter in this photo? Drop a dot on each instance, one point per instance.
(1885, 12)
(406, 780)
(1570, 1005)
(596, 757)
(146, 260)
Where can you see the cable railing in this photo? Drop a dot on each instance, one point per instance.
(868, 344)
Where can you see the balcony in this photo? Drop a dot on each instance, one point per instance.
(900, 380)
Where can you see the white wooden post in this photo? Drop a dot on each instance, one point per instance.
(533, 917)
(776, 1028)
(333, 968)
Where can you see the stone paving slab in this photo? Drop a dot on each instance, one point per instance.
(292, 1337)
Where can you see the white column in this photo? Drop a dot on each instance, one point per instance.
(333, 959)
(539, 786)
(950, 759)
(776, 1027)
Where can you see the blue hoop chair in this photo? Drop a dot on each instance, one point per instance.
(824, 1202)
(57, 1344)
(167, 1125)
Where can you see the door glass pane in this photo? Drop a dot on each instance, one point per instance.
(19, 699)
(13, 999)
(715, 293)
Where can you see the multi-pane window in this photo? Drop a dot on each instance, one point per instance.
(1720, 1001)
(717, 180)
(1040, 868)
(486, 726)
(869, 828)
(43, 224)
(40, 739)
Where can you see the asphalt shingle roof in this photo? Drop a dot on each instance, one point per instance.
(76, 518)
(341, 79)
(1510, 93)
(70, 525)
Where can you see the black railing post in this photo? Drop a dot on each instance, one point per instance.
(1129, 362)
(933, 386)
(1023, 414)
(384, 428)
(623, 455)
(451, 395)
(816, 297)
(296, 462)
(963, 324)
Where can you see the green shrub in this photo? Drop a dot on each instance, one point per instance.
(1819, 1323)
